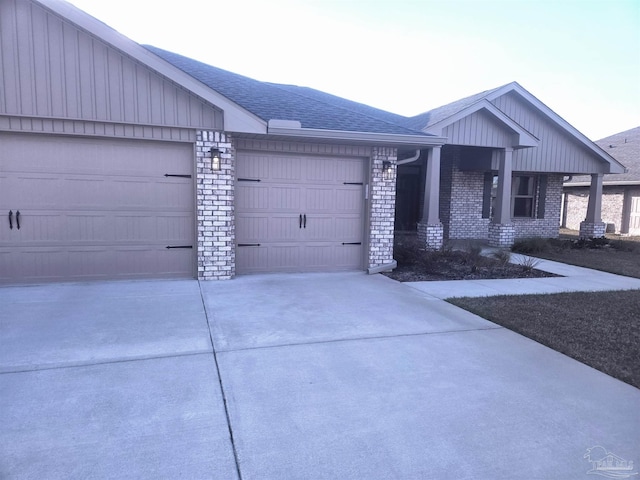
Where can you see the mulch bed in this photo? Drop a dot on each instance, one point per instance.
(415, 264)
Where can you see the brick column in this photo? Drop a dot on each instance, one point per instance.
(382, 200)
(215, 207)
(430, 229)
(593, 226)
(502, 232)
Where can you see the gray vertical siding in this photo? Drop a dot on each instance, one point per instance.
(558, 151)
(478, 129)
(51, 69)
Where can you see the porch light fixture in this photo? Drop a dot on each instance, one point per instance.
(386, 170)
(215, 159)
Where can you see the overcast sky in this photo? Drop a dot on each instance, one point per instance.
(580, 57)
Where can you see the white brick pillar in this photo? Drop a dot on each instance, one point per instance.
(215, 207)
(430, 229)
(382, 201)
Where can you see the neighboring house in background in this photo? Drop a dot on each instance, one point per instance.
(505, 132)
(123, 161)
(620, 193)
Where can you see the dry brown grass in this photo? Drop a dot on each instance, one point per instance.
(600, 329)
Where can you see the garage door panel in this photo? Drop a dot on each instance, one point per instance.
(284, 199)
(281, 228)
(96, 208)
(251, 227)
(320, 199)
(285, 169)
(313, 186)
(349, 200)
(250, 197)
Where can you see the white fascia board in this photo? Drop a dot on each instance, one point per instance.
(236, 118)
(613, 183)
(390, 139)
(614, 165)
(523, 137)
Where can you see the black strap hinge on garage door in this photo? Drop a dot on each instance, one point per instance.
(248, 244)
(179, 246)
(352, 243)
(248, 179)
(352, 183)
(176, 175)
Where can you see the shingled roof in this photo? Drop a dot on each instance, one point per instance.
(426, 119)
(312, 108)
(625, 148)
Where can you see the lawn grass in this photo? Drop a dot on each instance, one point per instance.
(619, 255)
(600, 329)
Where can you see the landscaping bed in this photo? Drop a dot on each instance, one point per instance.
(416, 264)
(600, 329)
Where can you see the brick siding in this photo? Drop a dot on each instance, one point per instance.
(578, 200)
(215, 207)
(382, 194)
(461, 199)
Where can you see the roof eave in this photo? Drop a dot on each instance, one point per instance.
(236, 118)
(388, 139)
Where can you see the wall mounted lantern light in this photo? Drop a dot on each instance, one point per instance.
(215, 159)
(387, 173)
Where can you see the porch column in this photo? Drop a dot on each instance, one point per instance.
(501, 229)
(593, 226)
(430, 230)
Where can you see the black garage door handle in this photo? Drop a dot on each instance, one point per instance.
(10, 221)
(18, 219)
(305, 220)
(300, 221)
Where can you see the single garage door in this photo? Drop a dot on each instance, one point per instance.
(299, 213)
(79, 209)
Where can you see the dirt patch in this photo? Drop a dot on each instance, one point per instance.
(416, 264)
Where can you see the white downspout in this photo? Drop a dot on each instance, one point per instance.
(410, 159)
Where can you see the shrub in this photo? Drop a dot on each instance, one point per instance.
(529, 263)
(531, 245)
(503, 256)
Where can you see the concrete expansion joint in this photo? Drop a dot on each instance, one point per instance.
(356, 339)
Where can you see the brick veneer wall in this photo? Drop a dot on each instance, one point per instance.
(549, 226)
(578, 200)
(215, 207)
(382, 195)
(461, 204)
(461, 199)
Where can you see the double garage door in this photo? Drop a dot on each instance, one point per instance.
(299, 213)
(80, 209)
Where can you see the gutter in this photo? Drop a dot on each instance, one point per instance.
(410, 159)
(291, 128)
(616, 183)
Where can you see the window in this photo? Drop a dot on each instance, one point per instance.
(523, 195)
(523, 189)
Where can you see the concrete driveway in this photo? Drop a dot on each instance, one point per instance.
(315, 376)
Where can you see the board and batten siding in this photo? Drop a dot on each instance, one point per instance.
(57, 78)
(557, 151)
(479, 129)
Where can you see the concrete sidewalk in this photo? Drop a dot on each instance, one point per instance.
(573, 279)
